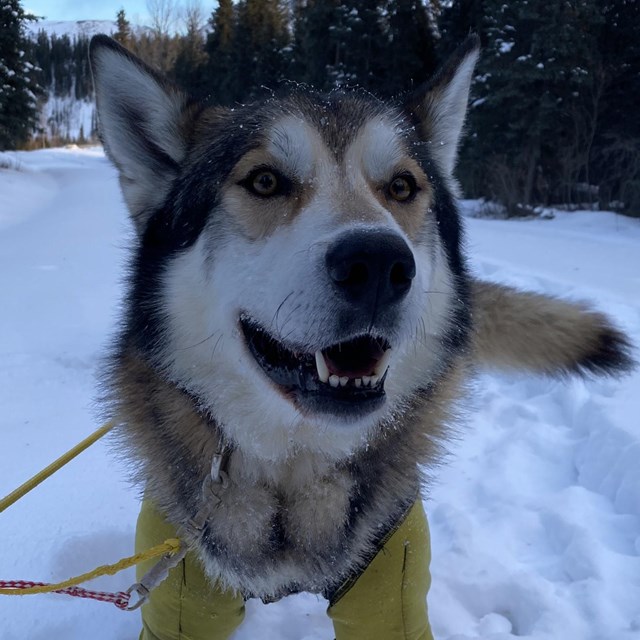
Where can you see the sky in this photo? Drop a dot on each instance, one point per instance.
(86, 9)
(91, 10)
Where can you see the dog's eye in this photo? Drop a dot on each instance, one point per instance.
(403, 188)
(263, 182)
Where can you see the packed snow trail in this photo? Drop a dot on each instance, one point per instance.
(535, 517)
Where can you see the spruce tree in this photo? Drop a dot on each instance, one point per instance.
(318, 38)
(615, 155)
(123, 29)
(18, 89)
(261, 45)
(535, 106)
(221, 80)
(411, 56)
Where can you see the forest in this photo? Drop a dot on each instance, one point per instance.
(553, 118)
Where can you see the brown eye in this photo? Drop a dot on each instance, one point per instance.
(264, 183)
(402, 188)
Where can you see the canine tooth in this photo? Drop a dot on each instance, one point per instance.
(374, 380)
(358, 382)
(334, 381)
(343, 381)
(366, 380)
(321, 366)
(384, 363)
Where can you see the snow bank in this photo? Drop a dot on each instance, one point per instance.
(535, 518)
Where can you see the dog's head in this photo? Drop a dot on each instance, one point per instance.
(298, 269)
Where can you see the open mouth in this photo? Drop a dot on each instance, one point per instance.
(347, 376)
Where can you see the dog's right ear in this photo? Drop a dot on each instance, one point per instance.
(142, 120)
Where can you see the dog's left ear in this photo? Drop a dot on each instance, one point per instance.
(440, 105)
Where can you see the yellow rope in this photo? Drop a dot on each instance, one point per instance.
(14, 496)
(170, 546)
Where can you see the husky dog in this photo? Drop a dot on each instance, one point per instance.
(299, 300)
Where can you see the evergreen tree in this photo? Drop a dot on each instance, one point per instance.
(261, 44)
(42, 57)
(189, 68)
(535, 107)
(385, 46)
(615, 155)
(18, 89)
(411, 56)
(123, 32)
(62, 64)
(317, 41)
(220, 76)
(459, 18)
(356, 37)
(82, 85)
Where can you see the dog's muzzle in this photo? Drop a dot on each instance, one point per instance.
(370, 273)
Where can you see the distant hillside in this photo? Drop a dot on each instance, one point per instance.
(67, 108)
(72, 28)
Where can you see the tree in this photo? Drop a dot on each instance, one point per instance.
(220, 75)
(18, 88)
(247, 48)
(189, 68)
(411, 56)
(159, 47)
(163, 14)
(261, 44)
(123, 32)
(537, 91)
(83, 86)
(315, 46)
(615, 159)
(385, 46)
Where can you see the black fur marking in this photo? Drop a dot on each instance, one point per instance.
(176, 226)
(612, 355)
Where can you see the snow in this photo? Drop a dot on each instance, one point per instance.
(65, 117)
(535, 517)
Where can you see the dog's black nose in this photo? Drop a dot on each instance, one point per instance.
(371, 267)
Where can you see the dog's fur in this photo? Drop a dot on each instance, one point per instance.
(315, 481)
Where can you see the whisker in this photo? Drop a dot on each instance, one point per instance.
(274, 321)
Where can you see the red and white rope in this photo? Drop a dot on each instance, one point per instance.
(120, 599)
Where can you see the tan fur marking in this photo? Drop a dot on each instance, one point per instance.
(409, 215)
(530, 331)
(260, 217)
(369, 167)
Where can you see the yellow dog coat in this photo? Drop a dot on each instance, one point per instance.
(387, 601)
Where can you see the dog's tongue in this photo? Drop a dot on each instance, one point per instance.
(354, 359)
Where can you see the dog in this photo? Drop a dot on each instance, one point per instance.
(300, 312)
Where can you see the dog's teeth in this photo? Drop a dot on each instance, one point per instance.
(343, 381)
(366, 380)
(321, 366)
(374, 380)
(358, 382)
(334, 381)
(383, 364)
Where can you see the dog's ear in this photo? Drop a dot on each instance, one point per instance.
(142, 125)
(440, 105)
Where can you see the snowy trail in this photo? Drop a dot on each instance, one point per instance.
(535, 518)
